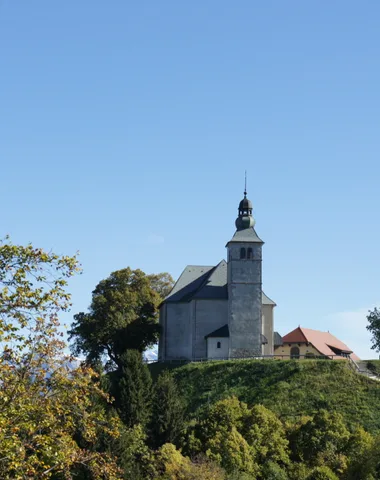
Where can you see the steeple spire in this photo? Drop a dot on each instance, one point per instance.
(245, 219)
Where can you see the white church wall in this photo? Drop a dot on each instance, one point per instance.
(178, 331)
(209, 315)
(217, 347)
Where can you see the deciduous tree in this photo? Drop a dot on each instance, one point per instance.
(123, 315)
(44, 403)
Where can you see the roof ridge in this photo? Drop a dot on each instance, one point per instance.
(200, 266)
(304, 336)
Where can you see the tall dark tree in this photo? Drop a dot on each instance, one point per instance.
(123, 315)
(167, 411)
(133, 390)
(373, 318)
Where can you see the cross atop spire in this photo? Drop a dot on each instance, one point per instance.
(245, 185)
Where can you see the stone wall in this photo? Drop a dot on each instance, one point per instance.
(244, 301)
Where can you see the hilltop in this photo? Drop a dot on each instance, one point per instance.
(289, 388)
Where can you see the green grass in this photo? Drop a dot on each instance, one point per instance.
(290, 388)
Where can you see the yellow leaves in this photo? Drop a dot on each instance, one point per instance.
(42, 403)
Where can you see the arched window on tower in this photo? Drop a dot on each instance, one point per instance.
(218, 345)
(242, 252)
(250, 253)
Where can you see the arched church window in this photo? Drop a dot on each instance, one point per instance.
(242, 252)
(218, 345)
(250, 253)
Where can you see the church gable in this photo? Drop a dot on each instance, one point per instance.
(198, 282)
(215, 286)
(190, 280)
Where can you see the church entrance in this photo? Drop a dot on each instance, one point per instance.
(294, 352)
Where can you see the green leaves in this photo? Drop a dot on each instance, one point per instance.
(373, 318)
(167, 411)
(123, 315)
(43, 403)
(238, 437)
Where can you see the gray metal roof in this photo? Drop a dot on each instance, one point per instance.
(215, 286)
(266, 300)
(220, 332)
(277, 339)
(225, 332)
(246, 235)
(204, 282)
(189, 281)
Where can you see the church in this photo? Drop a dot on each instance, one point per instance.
(216, 312)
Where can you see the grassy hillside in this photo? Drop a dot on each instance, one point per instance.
(289, 388)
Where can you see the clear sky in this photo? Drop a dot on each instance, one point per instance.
(126, 127)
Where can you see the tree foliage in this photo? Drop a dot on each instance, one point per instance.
(322, 441)
(373, 318)
(161, 283)
(43, 402)
(123, 315)
(239, 438)
(132, 390)
(167, 411)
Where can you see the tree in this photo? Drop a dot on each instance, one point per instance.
(322, 441)
(167, 411)
(133, 390)
(240, 439)
(363, 455)
(322, 473)
(44, 403)
(373, 318)
(266, 433)
(162, 283)
(123, 315)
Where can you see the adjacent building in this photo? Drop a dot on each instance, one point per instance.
(307, 343)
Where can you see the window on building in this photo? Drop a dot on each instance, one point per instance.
(242, 252)
(250, 253)
(218, 345)
(294, 352)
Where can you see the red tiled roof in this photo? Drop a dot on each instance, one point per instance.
(295, 336)
(322, 341)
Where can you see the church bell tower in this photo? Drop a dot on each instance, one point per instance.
(244, 285)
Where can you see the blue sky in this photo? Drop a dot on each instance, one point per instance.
(126, 127)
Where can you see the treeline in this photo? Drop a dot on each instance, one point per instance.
(106, 419)
(230, 440)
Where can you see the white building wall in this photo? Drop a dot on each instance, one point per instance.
(212, 347)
